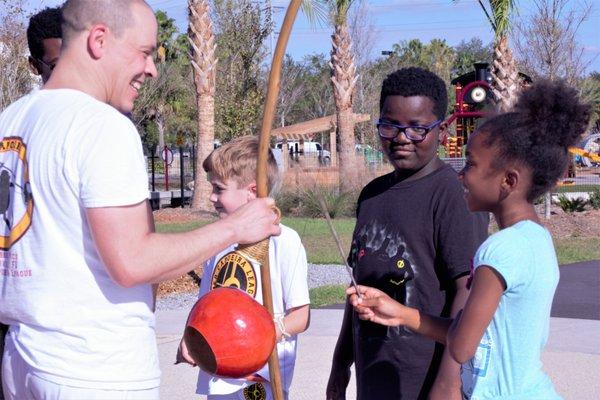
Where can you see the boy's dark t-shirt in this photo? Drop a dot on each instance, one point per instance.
(411, 240)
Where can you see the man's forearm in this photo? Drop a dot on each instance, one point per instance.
(133, 253)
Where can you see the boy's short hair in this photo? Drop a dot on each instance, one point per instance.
(415, 81)
(237, 160)
(46, 24)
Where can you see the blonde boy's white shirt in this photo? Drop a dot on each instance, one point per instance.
(289, 285)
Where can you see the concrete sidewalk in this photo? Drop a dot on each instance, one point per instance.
(571, 358)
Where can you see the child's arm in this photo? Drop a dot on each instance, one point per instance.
(461, 335)
(296, 321)
(467, 330)
(376, 306)
(447, 384)
(183, 356)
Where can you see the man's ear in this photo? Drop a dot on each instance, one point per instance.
(252, 191)
(97, 40)
(34, 65)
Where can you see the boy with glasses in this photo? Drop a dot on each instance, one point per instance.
(414, 239)
(44, 37)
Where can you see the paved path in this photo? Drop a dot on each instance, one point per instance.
(571, 357)
(578, 292)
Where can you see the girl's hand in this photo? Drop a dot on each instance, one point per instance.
(376, 306)
(183, 356)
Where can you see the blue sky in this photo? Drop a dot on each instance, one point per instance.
(397, 20)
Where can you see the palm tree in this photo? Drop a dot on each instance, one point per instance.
(204, 62)
(504, 69)
(344, 78)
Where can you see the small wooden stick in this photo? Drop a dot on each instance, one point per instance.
(337, 241)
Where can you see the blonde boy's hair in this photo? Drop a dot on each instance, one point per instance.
(237, 159)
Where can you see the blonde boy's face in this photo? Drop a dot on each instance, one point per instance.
(227, 195)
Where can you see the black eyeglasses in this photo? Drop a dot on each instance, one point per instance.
(44, 63)
(416, 133)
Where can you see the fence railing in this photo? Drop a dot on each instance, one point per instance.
(174, 170)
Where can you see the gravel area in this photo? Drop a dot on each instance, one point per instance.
(318, 275)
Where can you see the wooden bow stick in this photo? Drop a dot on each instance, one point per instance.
(261, 180)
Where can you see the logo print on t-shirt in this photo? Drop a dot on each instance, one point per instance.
(255, 392)
(16, 201)
(234, 270)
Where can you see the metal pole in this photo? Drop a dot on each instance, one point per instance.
(181, 180)
(152, 157)
(166, 159)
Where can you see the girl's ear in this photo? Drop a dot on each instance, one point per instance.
(251, 191)
(511, 179)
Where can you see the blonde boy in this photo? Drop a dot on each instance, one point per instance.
(231, 171)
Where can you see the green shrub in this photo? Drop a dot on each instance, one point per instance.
(289, 202)
(571, 205)
(305, 203)
(595, 198)
(338, 204)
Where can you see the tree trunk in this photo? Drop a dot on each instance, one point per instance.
(160, 126)
(204, 64)
(505, 76)
(347, 155)
(204, 145)
(344, 80)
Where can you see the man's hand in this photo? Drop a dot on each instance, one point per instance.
(183, 356)
(338, 382)
(255, 221)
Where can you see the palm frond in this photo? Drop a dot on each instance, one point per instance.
(499, 14)
(316, 11)
(340, 10)
(502, 11)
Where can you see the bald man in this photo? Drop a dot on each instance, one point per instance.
(79, 251)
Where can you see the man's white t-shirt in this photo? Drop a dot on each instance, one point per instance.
(63, 151)
(289, 285)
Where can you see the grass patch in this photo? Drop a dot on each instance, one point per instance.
(321, 248)
(320, 245)
(180, 226)
(316, 237)
(326, 295)
(571, 250)
(574, 188)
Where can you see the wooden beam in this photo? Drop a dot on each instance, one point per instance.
(306, 130)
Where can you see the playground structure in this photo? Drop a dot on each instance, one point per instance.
(473, 93)
(588, 154)
(473, 98)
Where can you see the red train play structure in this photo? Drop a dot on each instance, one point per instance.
(474, 98)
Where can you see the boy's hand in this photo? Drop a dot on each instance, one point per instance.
(376, 306)
(255, 221)
(183, 356)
